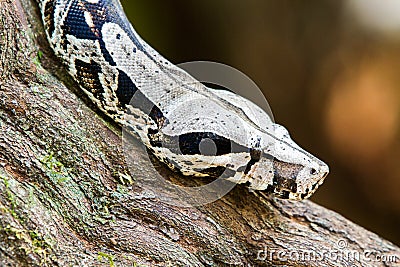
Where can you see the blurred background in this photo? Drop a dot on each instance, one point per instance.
(330, 70)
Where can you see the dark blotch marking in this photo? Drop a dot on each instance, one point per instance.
(88, 74)
(285, 194)
(270, 189)
(75, 23)
(102, 12)
(64, 43)
(126, 88)
(255, 156)
(133, 96)
(49, 17)
(154, 137)
(285, 175)
(157, 115)
(152, 131)
(314, 186)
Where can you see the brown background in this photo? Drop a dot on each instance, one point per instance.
(332, 80)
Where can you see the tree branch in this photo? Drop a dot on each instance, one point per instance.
(67, 197)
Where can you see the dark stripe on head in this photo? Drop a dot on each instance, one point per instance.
(88, 74)
(190, 144)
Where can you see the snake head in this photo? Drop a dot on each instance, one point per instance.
(286, 170)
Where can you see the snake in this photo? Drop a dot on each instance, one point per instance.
(193, 128)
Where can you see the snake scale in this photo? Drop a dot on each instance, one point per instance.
(192, 128)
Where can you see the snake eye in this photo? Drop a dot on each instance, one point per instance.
(207, 147)
(313, 171)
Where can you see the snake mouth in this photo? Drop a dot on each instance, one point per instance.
(287, 194)
(314, 188)
(284, 194)
(279, 192)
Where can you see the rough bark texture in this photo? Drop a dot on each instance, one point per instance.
(67, 198)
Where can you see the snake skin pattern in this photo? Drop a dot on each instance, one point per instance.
(194, 129)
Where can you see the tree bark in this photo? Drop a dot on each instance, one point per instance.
(68, 199)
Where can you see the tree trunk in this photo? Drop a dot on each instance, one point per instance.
(68, 199)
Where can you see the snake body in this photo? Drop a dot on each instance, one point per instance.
(192, 128)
